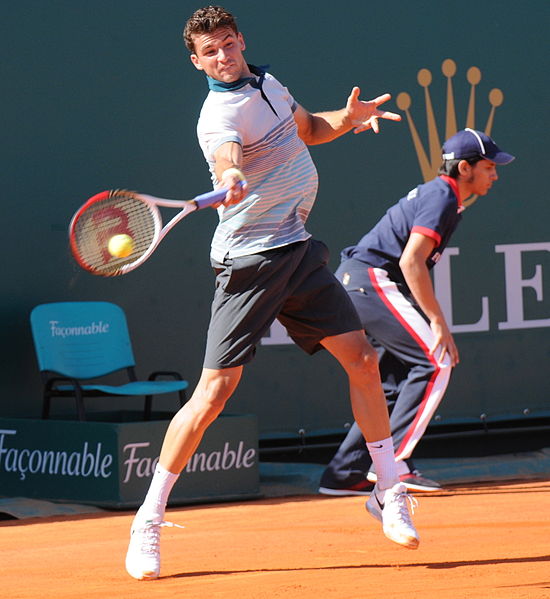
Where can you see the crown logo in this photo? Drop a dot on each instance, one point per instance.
(430, 160)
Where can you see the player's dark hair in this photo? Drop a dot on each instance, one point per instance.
(207, 20)
(450, 167)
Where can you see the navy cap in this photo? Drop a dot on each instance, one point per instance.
(469, 143)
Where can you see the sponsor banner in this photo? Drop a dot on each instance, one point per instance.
(111, 464)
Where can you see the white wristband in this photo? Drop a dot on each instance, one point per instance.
(233, 171)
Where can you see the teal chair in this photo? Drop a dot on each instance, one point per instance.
(77, 343)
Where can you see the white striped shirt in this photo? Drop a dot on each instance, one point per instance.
(281, 175)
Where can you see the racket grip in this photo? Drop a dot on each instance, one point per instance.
(209, 198)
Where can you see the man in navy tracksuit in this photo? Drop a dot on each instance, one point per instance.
(387, 275)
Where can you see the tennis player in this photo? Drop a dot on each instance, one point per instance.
(268, 266)
(386, 275)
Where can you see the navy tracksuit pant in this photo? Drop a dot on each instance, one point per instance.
(414, 382)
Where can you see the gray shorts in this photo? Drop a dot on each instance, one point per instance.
(292, 284)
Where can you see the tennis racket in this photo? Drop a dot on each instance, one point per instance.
(123, 212)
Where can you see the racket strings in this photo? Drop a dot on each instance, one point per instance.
(121, 213)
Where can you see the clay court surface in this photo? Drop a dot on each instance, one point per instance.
(476, 542)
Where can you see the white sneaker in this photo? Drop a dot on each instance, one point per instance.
(143, 557)
(390, 507)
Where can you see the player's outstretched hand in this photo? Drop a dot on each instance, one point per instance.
(364, 115)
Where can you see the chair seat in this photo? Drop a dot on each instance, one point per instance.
(79, 343)
(136, 388)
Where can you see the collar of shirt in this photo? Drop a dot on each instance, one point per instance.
(454, 186)
(221, 86)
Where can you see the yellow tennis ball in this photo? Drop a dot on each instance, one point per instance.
(120, 246)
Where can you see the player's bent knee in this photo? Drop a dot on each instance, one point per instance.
(351, 349)
(202, 409)
(366, 357)
(362, 365)
(370, 355)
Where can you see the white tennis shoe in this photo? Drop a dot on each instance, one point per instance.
(391, 507)
(143, 557)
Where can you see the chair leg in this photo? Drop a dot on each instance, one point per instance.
(147, 410)
(45, 406)
(81, 413)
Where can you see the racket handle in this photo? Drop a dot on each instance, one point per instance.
(209, 198)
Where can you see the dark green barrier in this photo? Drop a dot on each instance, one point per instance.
(110, 464)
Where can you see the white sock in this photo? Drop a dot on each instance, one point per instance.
(154, 504)
(402, 467)
(383, 459)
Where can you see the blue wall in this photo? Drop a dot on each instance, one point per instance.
(101, 94)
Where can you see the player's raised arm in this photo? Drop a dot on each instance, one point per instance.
(359, 115)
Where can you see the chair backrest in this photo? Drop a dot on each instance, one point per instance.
(82, 340)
